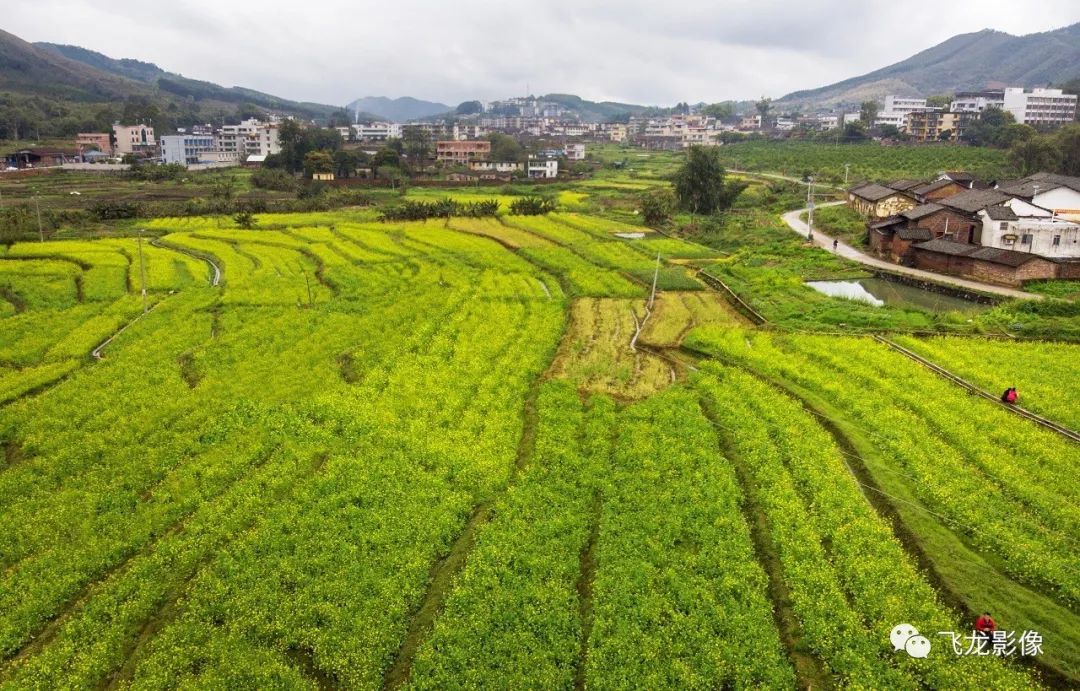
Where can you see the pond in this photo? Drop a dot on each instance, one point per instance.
(880, 292)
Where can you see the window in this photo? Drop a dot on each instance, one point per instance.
(1004, 225)
(1025, 239)
(1057, 240)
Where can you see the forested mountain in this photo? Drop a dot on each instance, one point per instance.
(985, 59)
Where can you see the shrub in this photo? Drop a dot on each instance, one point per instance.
(532, 206)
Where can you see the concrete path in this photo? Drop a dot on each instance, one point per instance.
(795, 222)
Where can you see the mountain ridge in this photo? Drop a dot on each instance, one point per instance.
(965, 62)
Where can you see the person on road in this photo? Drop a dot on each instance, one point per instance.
(835, 244)
(1009, 396)
(985, 626)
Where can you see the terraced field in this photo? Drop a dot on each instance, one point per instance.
(475, 454)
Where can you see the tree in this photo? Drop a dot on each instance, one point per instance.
(868, 113)
(890, 132)
(855, 131)
(469, 108)
(386, 156)
(245, 219)
(986, 131)
(1032, 155)
(1068, 142)
(505, 148)
(699, 184)
(657, 205)
(763, 107)
(681, 109)
(344, 164)
(721, 111)
(939, 101)
(416, 145)
(318, 162)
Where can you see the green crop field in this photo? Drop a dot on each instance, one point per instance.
(336, 452)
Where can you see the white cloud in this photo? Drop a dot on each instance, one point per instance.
(641, 51)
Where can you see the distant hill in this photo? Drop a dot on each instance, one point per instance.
(171, 83)
(26, 68)
(986, 59)
(398, 109)
(595, 111)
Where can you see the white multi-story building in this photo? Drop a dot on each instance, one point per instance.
(1023, 227)
(1045, 107)
(574, 152)
(543, 168)
(249, 138)
(1041, 106)
(903, 105)
(187, 149)
(377, 131)
(133, 138)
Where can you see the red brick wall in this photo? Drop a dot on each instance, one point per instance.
(988, 272)
(962, 227)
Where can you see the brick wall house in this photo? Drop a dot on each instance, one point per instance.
(988, 264)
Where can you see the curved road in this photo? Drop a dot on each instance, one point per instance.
(795, 222)
(214, 281)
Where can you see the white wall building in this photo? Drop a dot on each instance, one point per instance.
(187, 149)
(249, 138)
(1023, 227)
(1035, 107)
(496, 166)
(574, 152)
(902, 105)
(540, 168)
(377, 131)
(1040, 106)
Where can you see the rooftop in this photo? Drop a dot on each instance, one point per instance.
(873, 192)
(972, 201)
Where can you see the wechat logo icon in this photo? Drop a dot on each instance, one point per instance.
(906, 637)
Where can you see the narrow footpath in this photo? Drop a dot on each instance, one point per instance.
(795, 222)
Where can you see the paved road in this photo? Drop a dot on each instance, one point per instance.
(795, 222)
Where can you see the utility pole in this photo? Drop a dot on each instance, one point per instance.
(37, 205)
(847, 167)
(656, 274)
(142, 272)
(810, 209)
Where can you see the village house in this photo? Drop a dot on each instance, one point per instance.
(1058, 193)
(878, 201)
(1019, 225)
(988, 264)
(543, 168)
(496, 166)
(94, 141)
(456, 152)
(937, 190)
(42, 157)
(133, 139)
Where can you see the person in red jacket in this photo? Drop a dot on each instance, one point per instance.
(1009, 396)
(985, 626)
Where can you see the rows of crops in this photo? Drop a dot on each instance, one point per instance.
(267, 484)
(991, 478)
(996, 365)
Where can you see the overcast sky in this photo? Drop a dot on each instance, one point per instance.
(640, 51)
